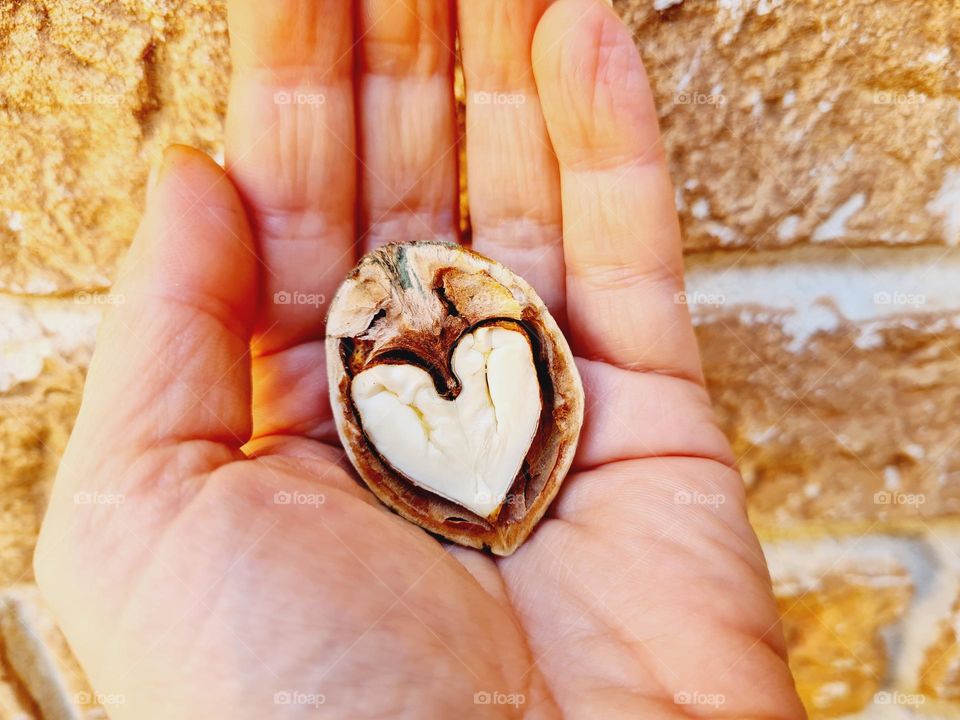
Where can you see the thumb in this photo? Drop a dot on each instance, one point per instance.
(172, 357)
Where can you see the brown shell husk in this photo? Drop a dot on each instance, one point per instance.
(411, 303)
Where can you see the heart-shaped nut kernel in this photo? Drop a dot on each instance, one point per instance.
(469, 449)
(455, 394)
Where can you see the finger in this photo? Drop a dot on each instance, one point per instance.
(685, 423)
(290, 394)
(408, 135)
(172, 357)
(291, 149)
(621, 234)
(512, 173)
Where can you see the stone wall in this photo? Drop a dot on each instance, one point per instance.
(815, 146)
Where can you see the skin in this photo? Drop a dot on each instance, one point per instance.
(186, 585)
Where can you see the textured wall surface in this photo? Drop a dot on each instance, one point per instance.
(815, 146)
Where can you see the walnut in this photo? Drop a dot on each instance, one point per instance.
(455, 394)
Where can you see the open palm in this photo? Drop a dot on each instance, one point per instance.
(207, 551)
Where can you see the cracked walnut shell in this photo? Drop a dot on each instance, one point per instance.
(455, 394)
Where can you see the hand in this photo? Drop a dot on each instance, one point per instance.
(189, 589)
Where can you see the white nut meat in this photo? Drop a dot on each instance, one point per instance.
(468, 450)
(455, 394)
